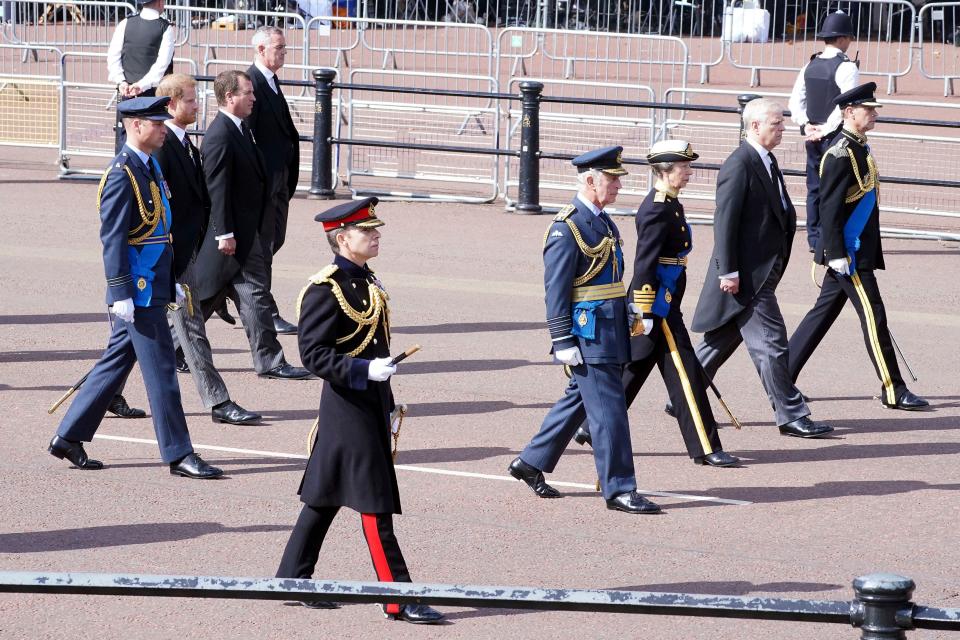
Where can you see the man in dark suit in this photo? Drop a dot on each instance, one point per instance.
(138, 263)
(180, 162)
(279, 142)
(753, 229)
(230, 262)
(850, 247)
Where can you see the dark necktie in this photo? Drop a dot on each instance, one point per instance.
(276, 85)
(190, 151)
(246, 133)
(778, 179)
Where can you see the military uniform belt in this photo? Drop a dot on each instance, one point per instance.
(167, 239)
(598, 292)
(681, 262)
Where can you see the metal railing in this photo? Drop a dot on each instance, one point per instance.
(881, 606)
(938, 20)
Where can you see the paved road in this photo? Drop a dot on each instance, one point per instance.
(800, 519)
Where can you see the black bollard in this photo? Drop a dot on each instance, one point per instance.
(528, 196)
(119, 135)
(321, 179)
(742, 100)
(882, 608)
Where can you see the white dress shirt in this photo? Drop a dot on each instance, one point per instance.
(177, 131)
(269, 75)
(164, 55)
(846, 77)
(593, 208)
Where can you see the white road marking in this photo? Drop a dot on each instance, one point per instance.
(434, 470)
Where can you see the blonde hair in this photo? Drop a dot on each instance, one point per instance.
(174, 84)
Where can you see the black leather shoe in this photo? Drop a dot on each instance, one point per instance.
(632, 502)
(909, 402)
(73, 451)
(120, 408)
(582, 436)
(193, 466)
(232, 413)
(224, 313)
(283, 327)
(805, 428)
(182, 365)
(533, 477)
(669, 410)
(286, 371)
(416, 614)
(717, 459)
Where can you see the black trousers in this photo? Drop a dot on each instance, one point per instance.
(686, 384)
(303, 548)
(861, 289)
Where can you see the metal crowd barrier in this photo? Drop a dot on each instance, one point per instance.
(31, 96)
(81, 24)
(881, 608)
(938, 60)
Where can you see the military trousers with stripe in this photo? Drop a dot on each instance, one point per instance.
(862, 290)
(303, 548)
(674, 356)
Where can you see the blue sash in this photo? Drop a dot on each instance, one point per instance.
(855, 225)
(144, 258)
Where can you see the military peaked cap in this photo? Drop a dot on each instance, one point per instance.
(356, 213)
(858, 96)
(145, 108)
(671, 151)
(607, 160)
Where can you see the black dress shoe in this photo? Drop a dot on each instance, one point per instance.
(224, 313)
(193, 466)
(805, 428)
(533, 477)
(120, 408)
(669, 410)
(182, 365)
(232, 413)
(582, 436)
(717, 459)
(286, 371)
(909, 402)
(283, 327)
(73, 451)
(632, 502)
(416, 614)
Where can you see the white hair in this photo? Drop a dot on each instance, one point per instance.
(759, 110)
(262, 35)
(582, 177)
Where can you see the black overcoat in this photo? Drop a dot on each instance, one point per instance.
(350, 464)
(751, 230)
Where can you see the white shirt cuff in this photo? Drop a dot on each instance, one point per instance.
(225, 236)
(730, 276)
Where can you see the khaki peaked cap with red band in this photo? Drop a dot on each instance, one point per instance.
(356, 213)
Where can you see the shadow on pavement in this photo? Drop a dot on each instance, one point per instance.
(55, 318)
(450, 454)
(819, 491)
(467, 327)
(849, 452)
(119, 535)
(460, 366)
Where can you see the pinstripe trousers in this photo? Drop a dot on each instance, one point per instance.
(190, 334)
(250, 291)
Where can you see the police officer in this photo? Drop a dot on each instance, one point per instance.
(138, 261)
(141, 51)
(850, 246)
(827, 75)
(344, 337)
(587, 319)
(659, 337)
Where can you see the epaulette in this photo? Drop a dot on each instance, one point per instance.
(565, 213)
(839, 150)
(318, 278)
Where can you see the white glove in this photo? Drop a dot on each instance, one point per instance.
(840, 265)
(380, 370)
(181, 296)
(123, 309)
(647, 326)
(569, 356)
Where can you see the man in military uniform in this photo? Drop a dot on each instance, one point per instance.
(587, 319)
(827, 75)
(850, 246)
(659, 337)
(344, 337)
(138, 260)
